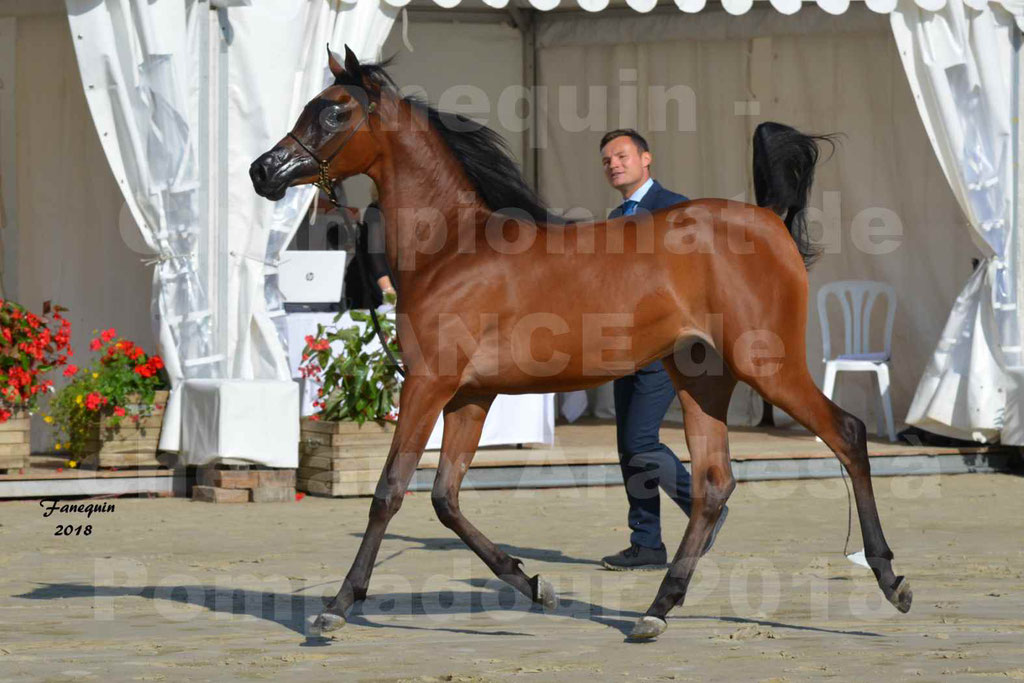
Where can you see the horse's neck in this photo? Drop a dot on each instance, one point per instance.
(422, 190)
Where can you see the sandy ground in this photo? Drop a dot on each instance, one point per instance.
(173, 590)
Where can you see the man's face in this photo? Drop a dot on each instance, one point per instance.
(625, 166)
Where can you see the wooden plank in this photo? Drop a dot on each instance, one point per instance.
(332, 489)
(342, 452)
(122, 434)
(146, 459)
(338, 476)
(348, 463)
(13, 437)
(13, 462)
(151, 422)
(352, 440)
(16, 424)
(105, 447)
(346, 427)
(15, 449)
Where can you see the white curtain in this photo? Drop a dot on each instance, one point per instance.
(137, 63)
(140, 67)
(277, 63)
(960, 62)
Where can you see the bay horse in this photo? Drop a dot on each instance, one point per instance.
(481, 313)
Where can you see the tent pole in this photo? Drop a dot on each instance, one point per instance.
(526, 21)
(1017, 102)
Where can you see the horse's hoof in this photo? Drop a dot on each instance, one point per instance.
(543, 592)
(327, 622)
(901, 595)
(647, 627)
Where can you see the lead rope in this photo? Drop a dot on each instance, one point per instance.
(849, 512)
(363, 258)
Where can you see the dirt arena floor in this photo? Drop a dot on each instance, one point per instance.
(169, 590)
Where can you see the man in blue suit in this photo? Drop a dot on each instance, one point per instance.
(642, 399)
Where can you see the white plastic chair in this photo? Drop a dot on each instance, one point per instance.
(857, 298)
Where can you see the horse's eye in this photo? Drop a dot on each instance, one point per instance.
(333, 118)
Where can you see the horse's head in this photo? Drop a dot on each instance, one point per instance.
(332, 138)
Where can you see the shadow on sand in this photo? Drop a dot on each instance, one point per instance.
(386, 610)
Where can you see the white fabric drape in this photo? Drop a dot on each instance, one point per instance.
(138, 69)
(738, 7)
(268, 88)
(814, 71)
(959, 62)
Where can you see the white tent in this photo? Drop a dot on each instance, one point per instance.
(164, 68)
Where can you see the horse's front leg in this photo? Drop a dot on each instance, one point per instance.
(421, 401)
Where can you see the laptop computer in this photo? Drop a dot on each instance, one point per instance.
(310, 277)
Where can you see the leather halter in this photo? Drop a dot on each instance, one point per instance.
(326, 184)
(324, 181)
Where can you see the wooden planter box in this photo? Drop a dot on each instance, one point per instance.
(14, 442)
(128, 444)
(342, 458)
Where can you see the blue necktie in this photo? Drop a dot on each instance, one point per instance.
(628, 207)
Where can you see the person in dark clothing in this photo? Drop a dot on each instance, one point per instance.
(643, 398)
(371, 233)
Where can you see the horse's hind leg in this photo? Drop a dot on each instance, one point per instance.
(463, 422)
(421, 404)
(705, 402)
(791, 388)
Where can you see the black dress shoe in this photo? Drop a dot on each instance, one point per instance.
(636, 557)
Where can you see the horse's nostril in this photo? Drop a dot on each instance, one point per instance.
(259, 173)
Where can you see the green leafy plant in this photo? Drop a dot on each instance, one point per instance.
(121, 384)
(359, 382)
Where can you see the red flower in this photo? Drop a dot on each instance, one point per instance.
(157, 362)
(95, 345)
(107, 335)
(5, 415)
(314, 418)
(93, 401)
(119, 411)
(70, 370)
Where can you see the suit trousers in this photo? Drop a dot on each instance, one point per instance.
(641, 401)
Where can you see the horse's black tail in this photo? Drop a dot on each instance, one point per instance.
(784, 161)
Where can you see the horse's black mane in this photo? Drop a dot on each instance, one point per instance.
(483, 153)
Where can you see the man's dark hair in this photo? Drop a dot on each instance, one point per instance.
(637, 139)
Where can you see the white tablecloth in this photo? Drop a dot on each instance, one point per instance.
(525, 418)
(253, 421)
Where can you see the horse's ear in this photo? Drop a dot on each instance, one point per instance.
(336, 68)
(352, 63)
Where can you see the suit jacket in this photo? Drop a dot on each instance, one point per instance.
(656, 198)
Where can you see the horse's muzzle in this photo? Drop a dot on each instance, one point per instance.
(272, 172)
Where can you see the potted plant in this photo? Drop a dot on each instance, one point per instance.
(344, 445)
(110, 413)
(30, 347)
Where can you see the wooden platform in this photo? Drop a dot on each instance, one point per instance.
(50, 477)
(592, 442)
(584, 454)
